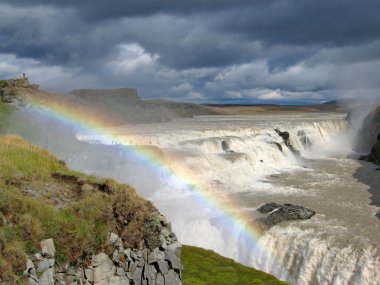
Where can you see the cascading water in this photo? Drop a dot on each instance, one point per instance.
(340, 245)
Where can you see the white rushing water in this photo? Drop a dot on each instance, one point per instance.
(340, 245)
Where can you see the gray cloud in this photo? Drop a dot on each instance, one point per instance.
(196, 50)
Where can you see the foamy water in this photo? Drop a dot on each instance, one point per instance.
(340, 245)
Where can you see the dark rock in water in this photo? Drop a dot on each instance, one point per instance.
(281, 213)
(226, 146)
(279, 146)
(267, 208)
(286, 137)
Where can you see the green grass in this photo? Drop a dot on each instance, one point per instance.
(79, 229)
(205, 267)
(5, 111)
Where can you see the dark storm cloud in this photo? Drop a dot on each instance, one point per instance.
(196, 49)
(95, 10)
(308, 22)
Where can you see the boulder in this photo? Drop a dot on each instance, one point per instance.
(47, 247)
(163, 266)
(136, 276)
(173, 255)
(279, 213)
(160, 280)
(47, 277)
(172, 278)
(267, 208)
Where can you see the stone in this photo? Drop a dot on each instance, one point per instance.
(107, 269)
(132, 266)
(60, 278)
(118, 280)
(160, 280)
(99, 259)
(89, 274)
(113, 238)
(225, 146)
(163, 242)
(80, 273)
(173, 255)
(141, 263)
(286, 138)
(165, 232)
(116, 256)
(47, 277)
(33, 281)
(37, 256)
(127, 254)
(43, 266)
(47, 247)
(71, 271)
(137, 275)
(160, 255)
(286, 212)
(153, 256)
(120, 271)
(172, 278)
(163, 266)
(119, 244)
(51, 262)
(133, 255)
(29, 265)
(149, 272)
(267, 208)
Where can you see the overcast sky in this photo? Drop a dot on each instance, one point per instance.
(197, 50)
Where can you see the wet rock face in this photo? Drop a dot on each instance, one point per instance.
(374, 155)
(286, 138)
(278, 213)
(162, 265)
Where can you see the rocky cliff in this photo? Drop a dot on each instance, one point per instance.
(14, 90)
(369, 137)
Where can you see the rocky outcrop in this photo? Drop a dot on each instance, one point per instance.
(13, 90)
(278, 213)
(374, 155)
(286, 138)
(367, 134)
(122, 266)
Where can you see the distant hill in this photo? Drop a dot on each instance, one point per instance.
(123, 105)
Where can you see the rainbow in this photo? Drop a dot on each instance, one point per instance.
(87, 121)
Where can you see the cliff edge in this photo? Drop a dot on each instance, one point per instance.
(369, 136)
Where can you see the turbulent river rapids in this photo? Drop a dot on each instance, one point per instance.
(247, 164)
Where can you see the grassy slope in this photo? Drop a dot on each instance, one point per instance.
(205, 267)
(5, 111)
(79, 229)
